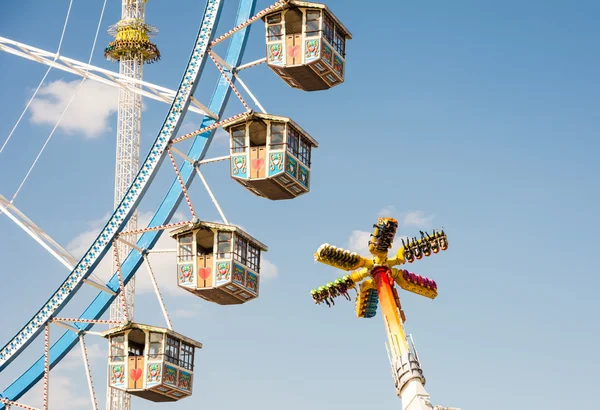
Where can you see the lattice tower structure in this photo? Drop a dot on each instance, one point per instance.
(132, 49)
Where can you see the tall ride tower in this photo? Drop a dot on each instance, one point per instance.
(131, 48)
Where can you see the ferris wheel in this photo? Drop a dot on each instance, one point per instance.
(270, 155)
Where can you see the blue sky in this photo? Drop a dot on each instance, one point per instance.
(477, 116)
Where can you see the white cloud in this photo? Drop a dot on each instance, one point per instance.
(75, 360)
(409, 219)
(417, 219)
(81, 243)
(88, 113)
(268, 270)
(387, 211)
(63, 393)
(359, 242)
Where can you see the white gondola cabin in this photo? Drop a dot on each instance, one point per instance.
(220, 263)
(306, 45)
(151, 362)
(270, 155)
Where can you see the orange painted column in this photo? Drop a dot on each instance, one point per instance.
(390, 310)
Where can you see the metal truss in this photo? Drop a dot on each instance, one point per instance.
(98, 74)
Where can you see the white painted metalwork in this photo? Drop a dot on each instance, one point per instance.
(10, 404)
(216, 159)
(129, 119)
(99, 286)
(157, 292)
(88, 374)
(210, 193)
(251, 64)
(66, 326)
(212, 197)
(46, 366)
(129, 244)
(161, 251)
(98, 74)
(251, 20)
(182, 155)
(245, 87)
(221, 60)
(41, 237)
(37, 233)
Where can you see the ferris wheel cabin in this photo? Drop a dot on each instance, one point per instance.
(306, 45)
(270, 155)
(220, 263)
(151, 362)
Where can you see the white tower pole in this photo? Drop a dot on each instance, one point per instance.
(132, 49)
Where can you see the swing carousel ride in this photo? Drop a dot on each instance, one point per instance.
(270, 155)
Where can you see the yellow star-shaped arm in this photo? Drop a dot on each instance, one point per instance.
(415, 283)
(341, 258)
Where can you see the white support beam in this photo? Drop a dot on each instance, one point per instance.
(221, 61)
(90, 332)
(98, 74)
(88, 374)
(131, 245)
(216, 159)
(182, 155)
(157, 292)
(68, 327)
(245, 87)
(212, 197)
(251, 64)
(45, 240)
(37, 233)
(100, 286)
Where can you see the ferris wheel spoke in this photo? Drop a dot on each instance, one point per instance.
(183, 188)
(251, 64)
(245, 87)
(98, 74)
(45, 240)
(88, 374)
(216, 159)
(208, 128)
(251, 20)
(210, 193)
(229, 80)
(157, 291)
(37, 233)
(223, 66)
(9, 404)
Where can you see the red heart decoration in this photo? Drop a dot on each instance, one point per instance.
(204, 273)
(135, 374)
(258, 163)
(293, 51)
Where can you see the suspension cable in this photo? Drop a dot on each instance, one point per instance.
(66, 108)
(62, 36)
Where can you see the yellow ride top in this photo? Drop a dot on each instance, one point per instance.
(132, 42)
(376, 276)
